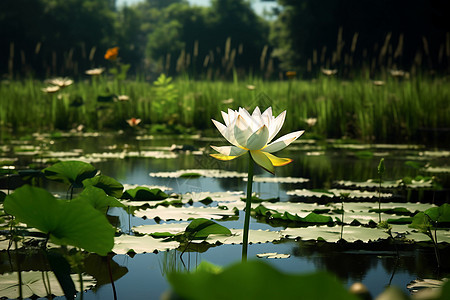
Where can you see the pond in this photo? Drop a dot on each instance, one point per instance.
(319, 173)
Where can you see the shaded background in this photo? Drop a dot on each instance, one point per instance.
(65, 37)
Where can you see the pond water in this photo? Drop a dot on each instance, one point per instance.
(320, 164)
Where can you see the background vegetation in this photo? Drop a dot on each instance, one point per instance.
(66, 37)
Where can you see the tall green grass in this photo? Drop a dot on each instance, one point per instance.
(398, 111)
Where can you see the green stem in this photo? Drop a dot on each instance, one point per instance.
(80, 276)
(247, 207)
(379, 201)
(19, 271)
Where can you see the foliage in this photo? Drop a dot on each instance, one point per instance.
(70, 172)
(67, 223)
(255, 280)
(144, 194)
(201, 228)
(111, 186)
(311, 218)
(325, 32)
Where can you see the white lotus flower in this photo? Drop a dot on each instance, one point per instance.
(253, 133)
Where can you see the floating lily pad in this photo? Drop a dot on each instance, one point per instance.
(191, 175)
(127, 186)
(172, 228)
(441, 169)
(216, 196)
(254, 237)
(32, 284)
(202, 172)
(272, 255)
(144, 194)
(355, 233)
(141, 244)
(336, 193)
(310, 218)
(279, 179)
(185, 213)
(202, 228)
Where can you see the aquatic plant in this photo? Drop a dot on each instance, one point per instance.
(252, 134)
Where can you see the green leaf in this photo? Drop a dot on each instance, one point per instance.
(256, 280)
(393, 211)
(98, 199)
(70, 172)
(68, 223)
(144, 194)
(421, 222)
(201, 228)
(190, 175)
(439, 214)
(111, 186)
(317, 219)
(407, 220)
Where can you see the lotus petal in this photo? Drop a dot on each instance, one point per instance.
(283, 141)
(277, 161)
(229, 150)
(261, 159)
(242, 131)
(258, 139)
(276, 125)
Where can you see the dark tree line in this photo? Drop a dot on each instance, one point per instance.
(66, 37)
(354, 33)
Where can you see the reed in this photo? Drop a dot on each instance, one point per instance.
(394, 110)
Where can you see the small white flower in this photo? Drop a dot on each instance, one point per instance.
(51, 89)
(253, 133)
(123, 97)
(329, 72)
(61, 82)
(311, 121)
(95, 71)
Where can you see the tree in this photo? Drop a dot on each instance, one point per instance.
(365, 31)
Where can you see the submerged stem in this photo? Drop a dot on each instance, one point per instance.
(111, 277)
(247, 207)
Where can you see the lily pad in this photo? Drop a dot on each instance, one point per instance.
(185, 213)
(279, 179)
(202, 228)
(272, 255)
(98, 199)
(111, 186)
(441, 169)
(70, 172)
(32, 284)
(310, 218)
(266, 283)
(202, 172)
(144, 194)
(254, 236)
(172, 228)
(67, 223)
(126, 244)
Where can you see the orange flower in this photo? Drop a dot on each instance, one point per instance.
(133, 122)
(112, 53)
(291, 74)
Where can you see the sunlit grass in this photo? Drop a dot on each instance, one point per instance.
(396, 110)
